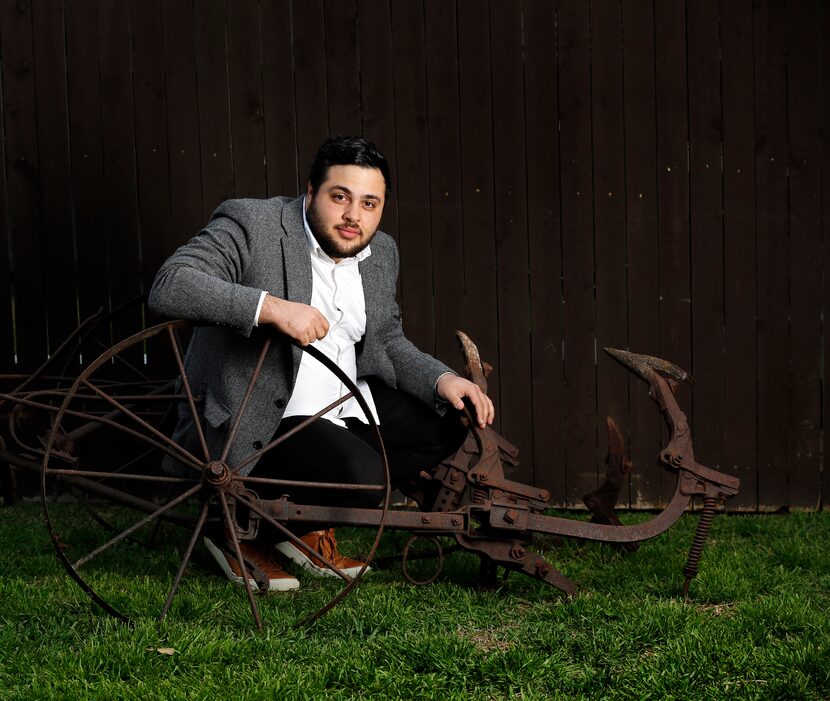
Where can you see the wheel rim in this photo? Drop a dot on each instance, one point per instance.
(183, 499)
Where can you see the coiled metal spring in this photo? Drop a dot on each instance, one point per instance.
(701, 534)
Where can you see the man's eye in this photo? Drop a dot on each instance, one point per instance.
(339, 197)
(369, 204)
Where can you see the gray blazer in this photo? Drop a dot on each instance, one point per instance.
(216, 278)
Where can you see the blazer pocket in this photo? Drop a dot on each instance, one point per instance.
(215, 412)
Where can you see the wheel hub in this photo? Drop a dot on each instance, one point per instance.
(216, 474)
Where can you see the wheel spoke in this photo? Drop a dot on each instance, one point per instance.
(174, 342)
(141, 422)
(229, 524)
(120, 475)
(136, 459)
(244, 405)
(118, 357)
(132, 529)
(78, 433)
(185, 559)
(285, 436)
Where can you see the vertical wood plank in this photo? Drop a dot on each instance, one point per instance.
(673, 194)
(706, 231)
(824, 29)
(446, 220)
(544, 247)
(412, 149)
(120, 185)
(740, 455)
(577, 248)
(342, 66)
(805, 254)
(311, 89)
(476, 120)
(278, 94)
(7, 339)
(23, 219)
(59, 279)
(85, 139)
(642, 242)
(511, 229)
(181, 95)
(246, 100)
(608, 137)
(214, 116)
(377, 96)
(151, 145)
(770, 24)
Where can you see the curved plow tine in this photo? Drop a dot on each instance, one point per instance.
(644, 365)
(476, 369)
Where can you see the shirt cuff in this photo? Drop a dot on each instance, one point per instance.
(438, 397)
(262, 296)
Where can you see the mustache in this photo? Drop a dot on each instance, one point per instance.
(355, 227)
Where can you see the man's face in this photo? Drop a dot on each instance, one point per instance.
(345, 212)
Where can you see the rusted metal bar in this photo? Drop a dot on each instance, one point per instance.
(174, 343)
(305, 423)
(197, 531)
(245, 399)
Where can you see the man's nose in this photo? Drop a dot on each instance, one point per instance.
(352, 211)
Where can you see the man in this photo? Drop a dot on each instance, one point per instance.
(318, 270)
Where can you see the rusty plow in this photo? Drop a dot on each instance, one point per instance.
(107, 443)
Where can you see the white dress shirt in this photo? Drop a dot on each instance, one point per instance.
(337, 292)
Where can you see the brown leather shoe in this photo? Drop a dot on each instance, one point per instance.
(324, 543)
(257, 557)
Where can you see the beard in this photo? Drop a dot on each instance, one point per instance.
(330, 240)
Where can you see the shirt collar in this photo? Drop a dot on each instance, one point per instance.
(315, 249)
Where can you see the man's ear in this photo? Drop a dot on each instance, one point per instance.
(309, 191)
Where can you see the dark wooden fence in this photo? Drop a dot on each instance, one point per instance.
(646, 174)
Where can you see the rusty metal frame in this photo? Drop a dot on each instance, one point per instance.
(468, 497)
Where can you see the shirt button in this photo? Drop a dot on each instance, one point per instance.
(279, 403)
(257, 445)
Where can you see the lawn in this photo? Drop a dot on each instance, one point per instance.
(756, 625)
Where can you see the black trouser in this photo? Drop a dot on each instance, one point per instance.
(415, 438)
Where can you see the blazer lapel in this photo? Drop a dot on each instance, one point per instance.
(371, 271)
(296, 265)
(296, 259)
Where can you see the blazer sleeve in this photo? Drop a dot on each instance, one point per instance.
(204, 280)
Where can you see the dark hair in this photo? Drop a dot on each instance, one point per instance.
(347, 151)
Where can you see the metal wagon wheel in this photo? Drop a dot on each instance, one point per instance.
(138, 497)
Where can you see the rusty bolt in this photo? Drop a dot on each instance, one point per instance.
(456, 521)
(424, 519)
(453, 476)
(510, 515)
(542, 568)
(482, 478)
(517, 552)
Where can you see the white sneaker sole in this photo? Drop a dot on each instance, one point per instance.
(282, 584)
(293, 553)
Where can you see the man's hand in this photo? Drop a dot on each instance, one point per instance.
(453, 389)
(303, 323)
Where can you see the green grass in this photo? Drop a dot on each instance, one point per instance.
(756, 626)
